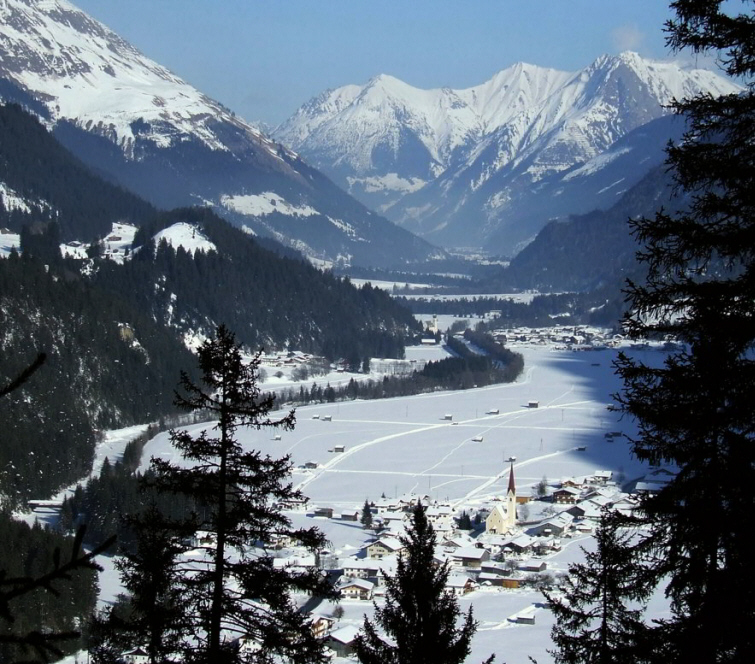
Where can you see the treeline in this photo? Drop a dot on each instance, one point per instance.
(464, 371)
(54, 185)
(268, 300)
(603, 306)
(29, 552)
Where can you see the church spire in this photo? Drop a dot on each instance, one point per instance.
(511, 500)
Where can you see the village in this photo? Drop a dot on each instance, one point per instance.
(506, 545)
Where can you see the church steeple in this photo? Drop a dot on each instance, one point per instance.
(511, 499)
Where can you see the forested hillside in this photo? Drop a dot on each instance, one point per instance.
(108, 364)
(114, 333)
(44, 182)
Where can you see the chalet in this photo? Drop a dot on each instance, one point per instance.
(321, 625)
(522, 544)
(440, 514)
(459, 585)
(360, 568)
(341, 641)
(350, 515)
(555, 526)
(136, 656)
(339, 449)
(248, 645)
(387, 505)
(357, 589)
(585, 509)
(384, 547)
(310, 465)
(470, 557)
(602, 476)
(533, 404)
(566, 495)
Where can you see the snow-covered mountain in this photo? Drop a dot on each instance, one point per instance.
(463, 166)
(132, 119)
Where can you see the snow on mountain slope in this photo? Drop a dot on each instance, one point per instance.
(88, 74)
(129, 117)
(187, 236)
(457, 165)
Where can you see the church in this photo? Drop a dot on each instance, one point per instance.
(503, 517)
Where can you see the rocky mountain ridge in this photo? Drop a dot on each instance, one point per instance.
(460, 167)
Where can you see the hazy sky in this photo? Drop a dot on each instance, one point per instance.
(264, 58)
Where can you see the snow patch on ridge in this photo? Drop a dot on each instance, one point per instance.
(387, 182)
(260, 205)
(187, 236)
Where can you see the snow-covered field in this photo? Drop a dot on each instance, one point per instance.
(402, 445)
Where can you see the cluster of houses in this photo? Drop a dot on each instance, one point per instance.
(509, 553)
(569, 337)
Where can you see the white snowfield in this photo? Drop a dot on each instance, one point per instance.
(396, 446)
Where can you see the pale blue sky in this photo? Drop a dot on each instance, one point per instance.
(264, 58)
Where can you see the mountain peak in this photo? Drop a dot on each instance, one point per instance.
(428, 156)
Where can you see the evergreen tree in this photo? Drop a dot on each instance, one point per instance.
(154, 611)
(594, 624)
(236, 590)
(419, 616)
(366, 518)
(695, 412)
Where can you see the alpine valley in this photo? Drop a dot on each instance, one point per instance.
(487, 167)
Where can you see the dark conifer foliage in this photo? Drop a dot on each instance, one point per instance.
(55, 185)
(236, 589)
(268, 299)
(153, 612)
(44, 597)
(695, 412)
(108, 364)
(599, 619)
(48, 589)
(420, 618)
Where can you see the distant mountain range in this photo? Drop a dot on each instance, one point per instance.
(141, 126)
(489, 166)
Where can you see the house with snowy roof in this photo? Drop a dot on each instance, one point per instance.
(341, 641)
(470, 557)
(360, 568)
(321, 625)
(459, 585)
(553, 526)
(361, 589)
(566, 495)
(383, 547)
(136, 656)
